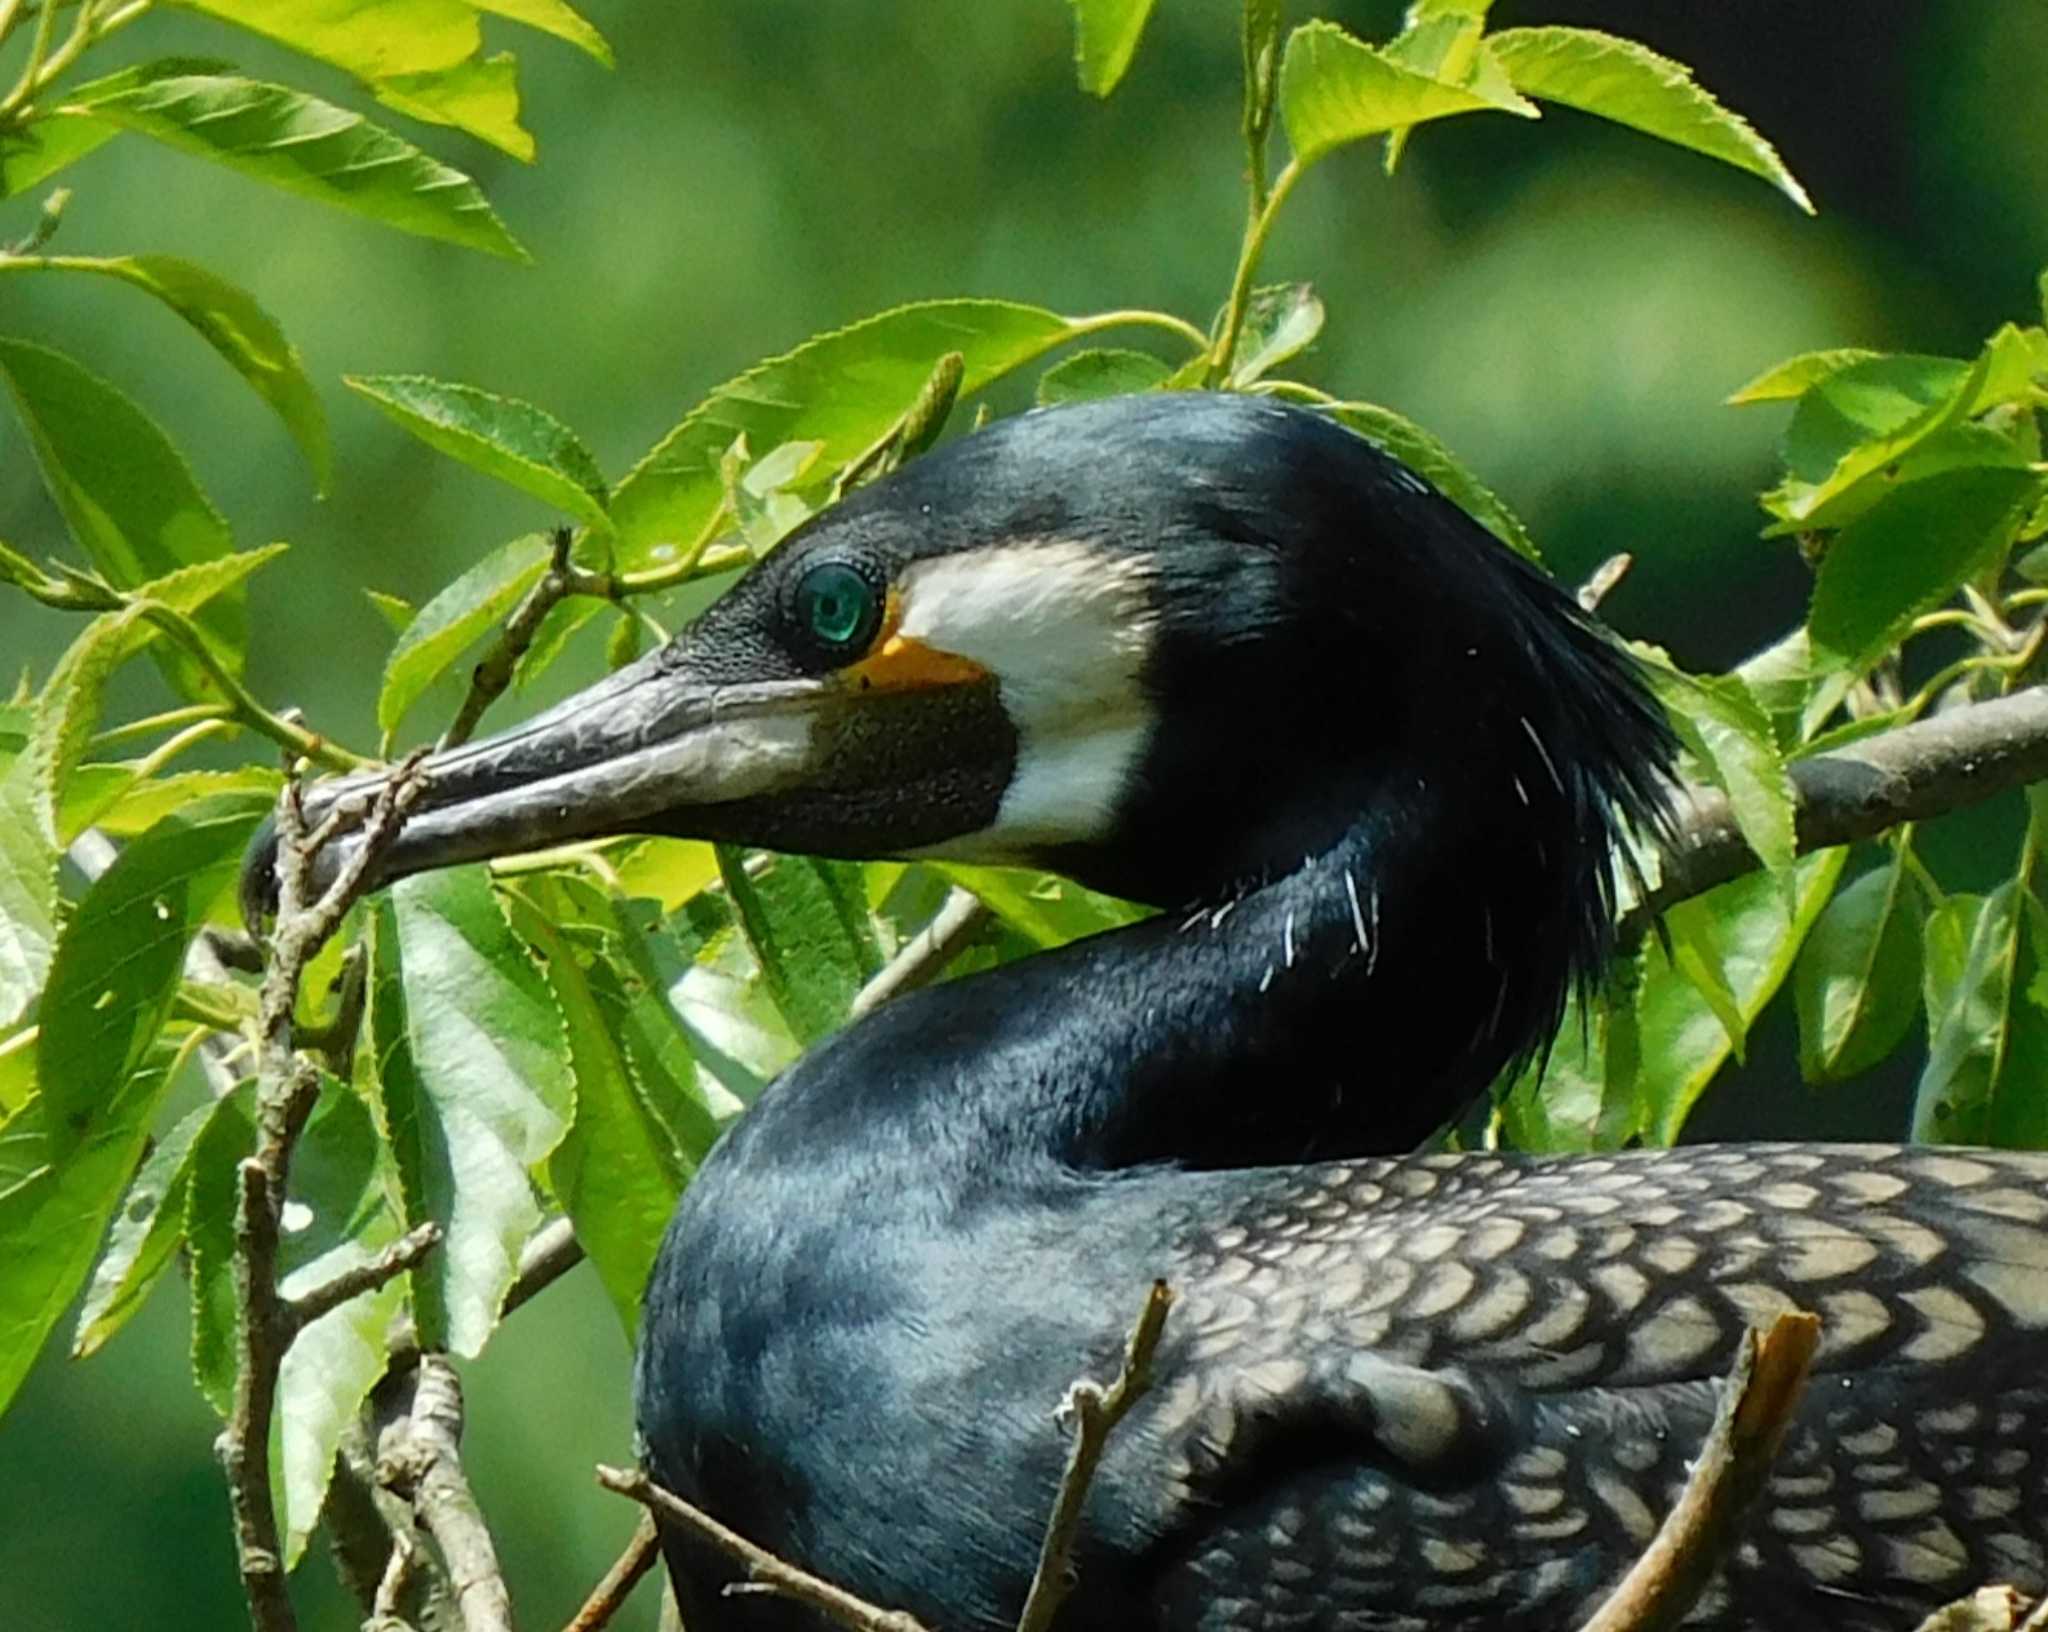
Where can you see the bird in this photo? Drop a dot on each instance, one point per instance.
(1222, 656)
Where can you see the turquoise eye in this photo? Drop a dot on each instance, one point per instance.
(837, 606)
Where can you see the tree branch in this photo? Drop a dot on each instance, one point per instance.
(420, 1459)
(1756, 1405)
(287, 1086)
(1912, 773)
(764, 1569)
(393, 1261)
(925, 953)
(610, 1594)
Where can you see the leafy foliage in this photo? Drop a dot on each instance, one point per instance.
(568, 1034)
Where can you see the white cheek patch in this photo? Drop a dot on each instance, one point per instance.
(1066, 629)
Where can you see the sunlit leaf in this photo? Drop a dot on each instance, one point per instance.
(1987, 1019)
(1109, 372)
(479, 95)
(620, 1167)
(228, 319)
(119, 960)
(808, 925)
(1045, 910)
(1907, 554)
(1753, 934)
(1727, 730)
(125, 492)
(46, 142)
(1795, 376)
(54, 1210)
(147, 1230)
(842, 390)
(1857, 982)
(1429, 458)
(449, 624)
(1335, 88)
(1281, 321)
(28, 892)
(311, 148)
(554, 17)
(1632, 85)
(519, 444)
(473, 1073)
(1106, 34)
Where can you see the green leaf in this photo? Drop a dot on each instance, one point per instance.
(147, 1230)
(311, 148)
(229, 320)
(125, 492)
(1857, 982)
(455, 619)
(1795, 376)
(28, 892)
(69, 707)
(1909, 553)
(554, 17)
(474, 1077)
(1111, 372)
(334, 1362)
(422, 57)
(211, 1196)
(56, 1208)
(1106, 34)
(1727, 730)
(144, 803)
(480, 96)
(513, 441)
(1444, 41)
(1281, 321)
(842, 390)
(119, 960)
(395, 610)
(1045, 909)
(807, 923)
(1336, 89)
(1751, 933)
(1987, 1021)
(1632, 85)
(1429, 458)
(620, 1167)
(1259, 41)
(1862, 421)
(33, 152)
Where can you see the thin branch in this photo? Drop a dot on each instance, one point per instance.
(763, 1568)
(1913, 773)
(287, 1085)
(548, 1255)
(1095, 1412)
(927, 952)
(393, 1261)
(1601, 581)
(494, 671)
(1756, 1406)
(609, 1596)
(421, 1460)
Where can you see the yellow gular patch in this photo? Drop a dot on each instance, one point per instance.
(900, 662)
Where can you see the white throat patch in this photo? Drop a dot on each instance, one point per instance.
(1065, 628)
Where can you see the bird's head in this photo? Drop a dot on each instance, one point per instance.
(1166, 644)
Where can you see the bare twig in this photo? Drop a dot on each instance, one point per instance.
(287, 1085)
(1756, 1405)
(494, 671)
(610, 1594)
(1912, 773)
(393, 1261)
(1600, 583)
(1095, 1411)
(551, 1253)
(925, 953)
(763, 1568)
(421, 1460)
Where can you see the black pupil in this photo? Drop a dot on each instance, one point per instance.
(836, 603)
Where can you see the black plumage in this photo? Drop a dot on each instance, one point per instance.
(1376, 776)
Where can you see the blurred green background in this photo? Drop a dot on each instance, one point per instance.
(1566, 305)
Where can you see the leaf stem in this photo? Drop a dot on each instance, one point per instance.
(1256, 232)
(245, 708)
(1138, 317)
(175, 719)
(38, 52)
(92, 27)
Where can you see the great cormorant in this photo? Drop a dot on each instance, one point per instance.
(1222, 656)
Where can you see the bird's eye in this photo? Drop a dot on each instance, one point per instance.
(838, 607)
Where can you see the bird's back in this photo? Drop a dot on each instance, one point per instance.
(1455, 1392)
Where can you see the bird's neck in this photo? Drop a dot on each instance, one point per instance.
(1346, 1005)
